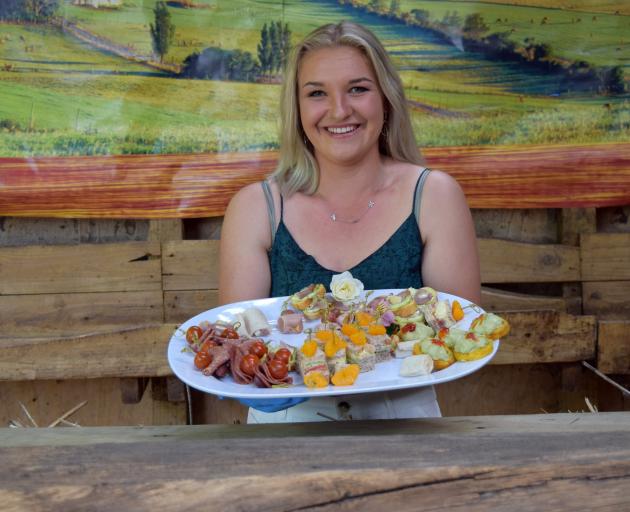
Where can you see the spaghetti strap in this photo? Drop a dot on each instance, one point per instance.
(417, 195)
(271, 210)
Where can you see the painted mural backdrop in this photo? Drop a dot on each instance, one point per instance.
(81, 78)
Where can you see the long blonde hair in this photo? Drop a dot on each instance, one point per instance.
(297, 168)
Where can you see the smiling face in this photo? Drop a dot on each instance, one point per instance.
(341, 105)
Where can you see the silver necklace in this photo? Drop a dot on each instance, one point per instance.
(334, 218)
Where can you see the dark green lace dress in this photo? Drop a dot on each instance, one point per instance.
(396, 264)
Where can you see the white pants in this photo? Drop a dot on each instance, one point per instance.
(402, 403)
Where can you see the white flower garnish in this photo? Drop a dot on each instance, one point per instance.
(345, 288)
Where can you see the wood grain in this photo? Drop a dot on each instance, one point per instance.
(62, 314)
(605, 256)
(500, 300)
(609, 300)
(200, 185)
(179, 306)
(547, 336)
(461, 464)
(191, 265)
(128, 352)
(128, 266)
(504, 261)
(613, 347)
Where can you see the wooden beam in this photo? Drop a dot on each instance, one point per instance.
(190, 265)
(128, 266)
(547, 337)
(605, 257)
(500, 300)
(179, 306)
(613, 344)
(609, 300)
(132, 352)
(503, 261)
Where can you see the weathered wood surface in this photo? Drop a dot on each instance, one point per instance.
(59, 314)
(191, 265)
(613, 354)
(129, 352)
(504, 261)
(543, 462)
(546, 337)
(129, 266)
(500, 300)
(609, 300)
(605, 257)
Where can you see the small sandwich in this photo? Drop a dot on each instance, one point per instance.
(360, 352)
(377, 336)
(312, 365)
(491, 325)
(472, 347)
(413, 366)
(306, 297)
(439, 315)
(442, 356)
(335, 351)
(290, 322)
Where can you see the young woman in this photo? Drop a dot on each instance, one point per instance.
(349, 193)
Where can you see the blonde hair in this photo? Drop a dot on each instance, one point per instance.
(297, 168)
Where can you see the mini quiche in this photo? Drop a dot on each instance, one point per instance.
(442, 356)
(490, 325)
(472, 347)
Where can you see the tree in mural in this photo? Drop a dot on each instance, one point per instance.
(34, 11)
(163, 31)
(475, 25)
(273, 47)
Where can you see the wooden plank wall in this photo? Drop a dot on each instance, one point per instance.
(101, 315)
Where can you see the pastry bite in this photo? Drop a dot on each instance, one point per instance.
(404, 349)
(442, 356)
(451, 335)
(425, 295)
(345, 375)
(417, 331)
(472, 346)
(316, 310)
(403, 304)
(413, 366)
(491, 325)
(307, 296)
(438, 315)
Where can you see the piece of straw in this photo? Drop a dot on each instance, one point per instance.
(28, 414)
(66, 414)
(607, 379)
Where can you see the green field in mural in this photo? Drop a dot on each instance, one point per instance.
(87, 82)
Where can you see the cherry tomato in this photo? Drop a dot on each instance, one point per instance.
(193, 334)
(202, 359)
(229, 333)
(207, 345)
(282, 354)
(258, 348)
(249, 363)
(278, 369)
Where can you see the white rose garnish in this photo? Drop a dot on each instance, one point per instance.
(345, 288)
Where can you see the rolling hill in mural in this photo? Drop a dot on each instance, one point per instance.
(125, 77)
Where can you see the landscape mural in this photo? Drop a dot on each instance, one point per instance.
(86, 78)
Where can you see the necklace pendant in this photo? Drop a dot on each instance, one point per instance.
(370, 204)
(333, 217)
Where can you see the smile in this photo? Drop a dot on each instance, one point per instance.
(342, 129)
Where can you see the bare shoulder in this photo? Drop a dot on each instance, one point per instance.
(247, 214)
(442, 185)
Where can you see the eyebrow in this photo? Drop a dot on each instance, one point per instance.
(351, 82)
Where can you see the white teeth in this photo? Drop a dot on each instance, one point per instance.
(344, 129)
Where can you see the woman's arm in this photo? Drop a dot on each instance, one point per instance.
(245, 237)
(450, 260)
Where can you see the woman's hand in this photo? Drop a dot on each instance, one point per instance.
(450, 261)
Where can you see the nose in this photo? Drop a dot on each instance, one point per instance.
(340, 107)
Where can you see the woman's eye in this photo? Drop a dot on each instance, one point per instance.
(358, 89)
(315, 94)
